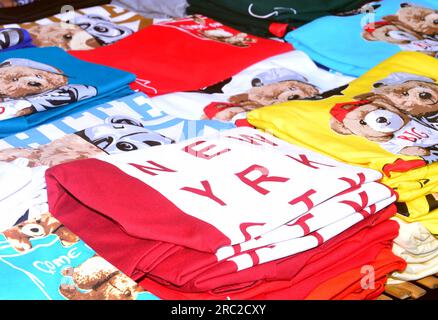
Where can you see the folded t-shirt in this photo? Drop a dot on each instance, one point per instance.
(39, 85)
(356, 247)
(134, 109)
(354, 44)
(85, 29)
(366, 282)
(242, 203)
(284, 77)
(166, 57)
(269, 18)
(415, 240)
(248, 165)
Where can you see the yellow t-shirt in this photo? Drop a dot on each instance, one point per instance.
(381, 121)
(419, 207)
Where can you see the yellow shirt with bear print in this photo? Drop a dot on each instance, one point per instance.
(379, 122)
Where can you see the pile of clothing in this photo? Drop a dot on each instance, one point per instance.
(234, 140)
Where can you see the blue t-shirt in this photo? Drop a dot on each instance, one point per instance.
(356, 43)
(49, 83)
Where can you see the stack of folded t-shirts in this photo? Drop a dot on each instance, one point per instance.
(85, 29)
(39, 257)
(39, 85)
(34, 10)
(354, 44)
(156, 8)
(184, 54)
(14, 38)
(270, 18)
(281, 78)
(419, 248)
(385, 120)
(216, 207)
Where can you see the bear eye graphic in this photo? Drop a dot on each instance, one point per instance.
(425, 95)
(293, 97)
(14, 79)
(405, 93)
(38, 76)
(68, 36)
(362, 122)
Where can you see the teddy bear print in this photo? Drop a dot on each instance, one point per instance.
(414, 95)
(239, 40)
(66, 36)
(381, 122)
(20, 235)
(68, 148)
(28, 86)
(268, 88)
(413, 28)
(97, 279)
(221, 35)
(416, 18)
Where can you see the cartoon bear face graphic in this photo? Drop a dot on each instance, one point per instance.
(281, 92)
(65, 149)
(20, 235)
(419, 19)
(414, 95)
(20, 78)
(270, 87)
(374, 120)
(390, 33)
(382, 122)
(65, 36)
(97, 279)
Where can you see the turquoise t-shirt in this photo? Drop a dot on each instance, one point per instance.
(356, 43)
(40, 266)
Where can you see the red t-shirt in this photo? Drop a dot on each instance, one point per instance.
(183, 55)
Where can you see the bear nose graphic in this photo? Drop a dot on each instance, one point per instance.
(381, 120)
(34, 229)
(425, 95)
(34, 84)
(294, 97)
(404, 4)
(435, 21)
